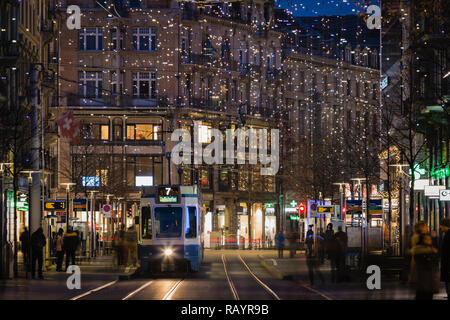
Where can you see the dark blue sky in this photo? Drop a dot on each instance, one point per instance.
(321, 7)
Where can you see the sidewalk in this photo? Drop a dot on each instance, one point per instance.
(295, 269)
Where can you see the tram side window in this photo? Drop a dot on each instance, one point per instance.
(191, 223)
(146, 223)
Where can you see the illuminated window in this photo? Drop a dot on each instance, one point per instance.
(143, 132)
(104, 132)
(103, 174)
(90, 84)
(204, 134)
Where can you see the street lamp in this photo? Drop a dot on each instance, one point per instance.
(68, 185)
(93, 231)
(363, 218)
(341, 197)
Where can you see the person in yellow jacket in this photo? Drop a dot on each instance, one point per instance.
(419, 229)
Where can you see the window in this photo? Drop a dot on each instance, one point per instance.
(143, 132)
(349, 87)
(302, 82)
(90, 84)
(146, 223)
(191, 223)
(104, 132)
(91, 39)
(168, 222)
(117, 132)
(144, 167)
(144, 85)
(114, 88)
(144, 39)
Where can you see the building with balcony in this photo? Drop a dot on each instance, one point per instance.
(134, 73)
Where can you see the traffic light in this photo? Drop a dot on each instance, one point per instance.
(301, 209)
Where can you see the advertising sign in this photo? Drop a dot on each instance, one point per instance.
(444, 195)
(52, 205)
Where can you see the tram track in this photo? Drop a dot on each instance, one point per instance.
(252, 274)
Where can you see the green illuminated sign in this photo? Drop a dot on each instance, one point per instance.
(440, 173)
(293, 203)
(296, 218)
(418, 171)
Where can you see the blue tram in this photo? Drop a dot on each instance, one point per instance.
(170, 237)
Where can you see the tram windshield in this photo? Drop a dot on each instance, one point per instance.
(168, 222)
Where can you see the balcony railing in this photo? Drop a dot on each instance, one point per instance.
(116, 101)
(209, 61)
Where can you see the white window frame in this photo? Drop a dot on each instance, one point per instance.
(142, 76)
(94, 31)
(152, 37)
(96, 76)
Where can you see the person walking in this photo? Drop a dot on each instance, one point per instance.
(341, 242)
(313, 264)
(420, 228)
(25, 247)
(310, 240)
(330, 250)
(279, 238)
(321, 246)
(427, 268)
(59, 247)
(71, 242)
(445, 254)
(37, 242)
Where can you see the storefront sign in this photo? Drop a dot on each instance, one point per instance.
(433, 191)
(420, 184)
(323, 209)
(79, 204)
(444, 195)
(440, 173)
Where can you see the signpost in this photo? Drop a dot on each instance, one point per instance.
(53, 205)
(106, 210)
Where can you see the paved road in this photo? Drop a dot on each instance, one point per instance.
(224, 275)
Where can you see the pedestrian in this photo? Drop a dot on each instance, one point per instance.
(330, 247)
(313, 264)
(310, 240)
(427, 268)
(59, 247)
(37, 242)
(71, 242)
(445, 254)
(419, 229)
(321, 246)
(25, 247)
(341, 242)
(292, 242)
(279, 238)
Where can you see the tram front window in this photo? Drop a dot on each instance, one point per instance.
(146, 223)
(168, 222)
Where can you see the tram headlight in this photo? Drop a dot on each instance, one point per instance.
(168, 252)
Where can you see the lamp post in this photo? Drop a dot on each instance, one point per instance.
(341, 197)
(67, 184)
(363, 218)
(93, 233)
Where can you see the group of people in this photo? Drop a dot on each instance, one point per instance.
(329, 244)
(425, 258)
(33, 246)
(125, 246)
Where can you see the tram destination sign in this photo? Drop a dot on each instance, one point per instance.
(168, 195)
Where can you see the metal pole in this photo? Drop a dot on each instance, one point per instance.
(36, 185)
(67, 208)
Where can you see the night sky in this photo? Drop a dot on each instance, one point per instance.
(308, 8)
